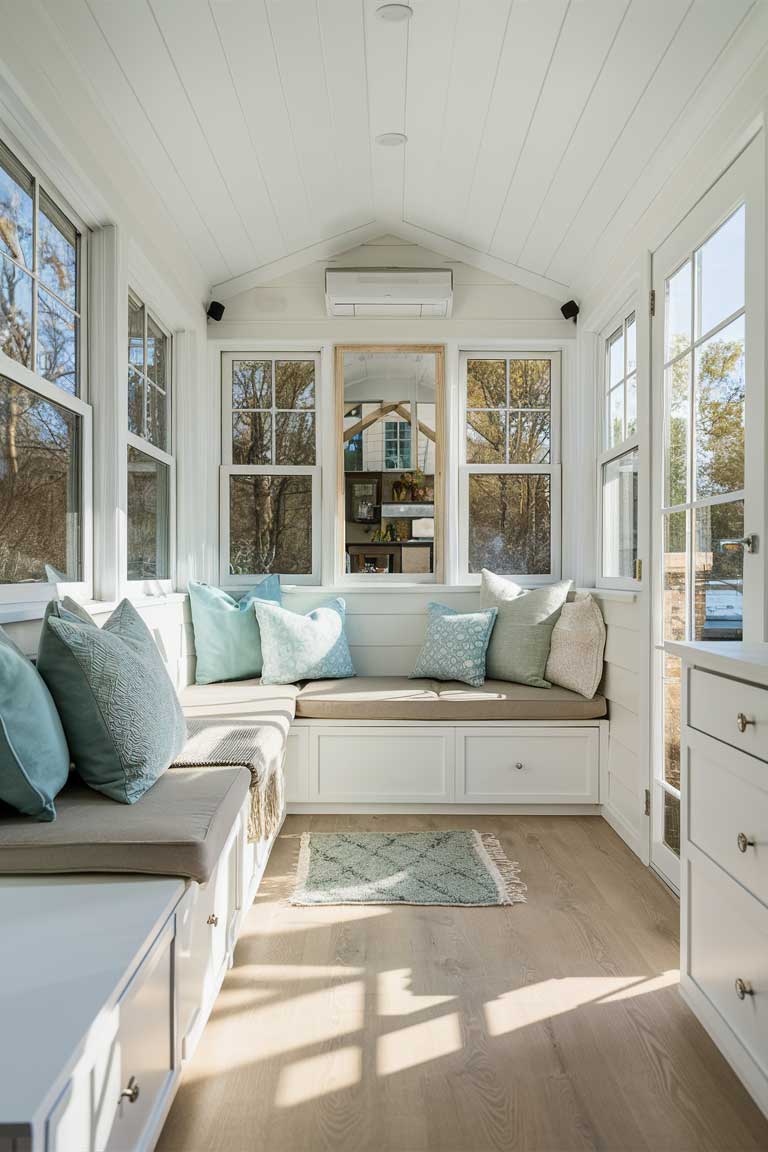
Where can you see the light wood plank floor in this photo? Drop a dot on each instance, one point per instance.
(549, 1026)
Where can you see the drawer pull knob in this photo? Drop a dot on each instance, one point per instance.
(212, 920)
(744, 842)
(519, 765)
(131, 1091)
(743, 989)
(742, 722)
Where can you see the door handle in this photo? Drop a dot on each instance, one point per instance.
(746, 543)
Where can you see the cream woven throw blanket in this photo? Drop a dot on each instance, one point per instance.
(251, 746)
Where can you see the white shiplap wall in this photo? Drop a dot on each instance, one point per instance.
(167, 618)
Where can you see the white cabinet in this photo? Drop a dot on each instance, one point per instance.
(724, 850)
(144, 1054)
(527, 765)
(387, 764)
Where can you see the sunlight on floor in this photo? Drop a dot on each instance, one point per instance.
(319, 1075)
(536, 1002)
(417, 1044)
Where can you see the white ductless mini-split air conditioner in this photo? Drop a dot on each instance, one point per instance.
(395, 292)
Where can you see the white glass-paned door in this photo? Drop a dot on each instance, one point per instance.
(708, 380)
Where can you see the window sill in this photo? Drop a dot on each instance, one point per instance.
(19, 613)
(622, 595)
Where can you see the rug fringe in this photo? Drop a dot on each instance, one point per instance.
(505, 872)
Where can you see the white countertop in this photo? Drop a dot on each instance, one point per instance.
(730, 657)
(67, 944)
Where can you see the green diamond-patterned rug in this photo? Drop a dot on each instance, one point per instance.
(458, 867)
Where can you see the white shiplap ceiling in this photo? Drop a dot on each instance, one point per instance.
(531, 123)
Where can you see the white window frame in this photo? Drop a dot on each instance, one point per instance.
(228, 469)
(609, 453)
(553, 469)
(162, 585)
(25, 601)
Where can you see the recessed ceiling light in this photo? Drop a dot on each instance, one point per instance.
(392, 139)
(394, 12)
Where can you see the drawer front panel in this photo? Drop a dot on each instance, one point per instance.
(145, 1047)
(382, 765)
(728, 942)
(527, 766)
(728, 810)
(729, 710)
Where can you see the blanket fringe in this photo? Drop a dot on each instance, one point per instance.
(505, 872)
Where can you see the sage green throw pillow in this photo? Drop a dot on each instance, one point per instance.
(521, 638)
(34, 759)
(120, 712)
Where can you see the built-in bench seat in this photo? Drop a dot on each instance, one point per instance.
(178, 828)
(385, 698)
(398, 698)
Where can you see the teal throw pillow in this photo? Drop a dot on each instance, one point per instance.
(455, 645)
(296, 647)
(227, 641)
(34, 759)
(120, 712)
(519, 647)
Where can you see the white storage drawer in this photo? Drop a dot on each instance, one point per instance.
(528, 765)
(382, 764)
(729, 710)
(728, 952)
(144, 1054)
(728, 810)
(205, 926)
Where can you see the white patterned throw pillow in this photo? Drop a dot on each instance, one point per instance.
(455, 645)
(578, 642)
(296, 647)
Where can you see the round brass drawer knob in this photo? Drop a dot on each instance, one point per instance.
(212, 920)
(743, 842)
(742, 723)
(743, 989)
(519, 765)
(131, 1091)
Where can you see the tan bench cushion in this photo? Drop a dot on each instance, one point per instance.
(398, 698)
(178, 828)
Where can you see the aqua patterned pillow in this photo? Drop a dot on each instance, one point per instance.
(296, 647)
(120, 712)
(455, 645)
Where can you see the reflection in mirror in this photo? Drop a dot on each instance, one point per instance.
(391, 454)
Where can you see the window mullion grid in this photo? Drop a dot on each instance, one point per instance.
(34, 270)
(506, 413)
(690, 525)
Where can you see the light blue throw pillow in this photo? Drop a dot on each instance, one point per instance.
(455, 645)
(120, 712)
(296, 647)
(227, 641)
(34, 759)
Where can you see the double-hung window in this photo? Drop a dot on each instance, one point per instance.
(619, 461)
(510, 465)
(270, 477)
(150, 458)
(45, 420)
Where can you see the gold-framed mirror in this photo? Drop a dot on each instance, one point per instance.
(389, 430)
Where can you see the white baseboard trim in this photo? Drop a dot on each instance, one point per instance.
(446, 809)
(631, 837)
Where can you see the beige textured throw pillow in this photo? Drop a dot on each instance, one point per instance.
(578, 642)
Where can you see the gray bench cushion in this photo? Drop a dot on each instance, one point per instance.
(398, 698)
(177, 828)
